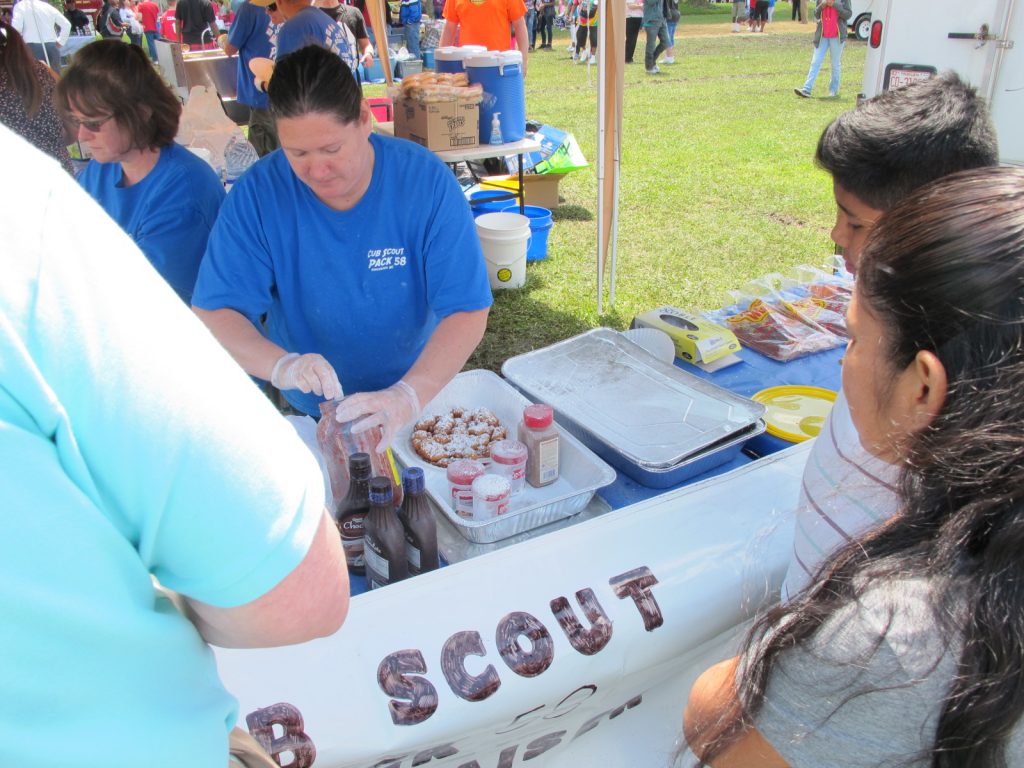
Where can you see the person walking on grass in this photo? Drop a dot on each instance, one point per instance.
(657, 34)
(634, 19)
(546, 19)
(672, 17)
(586, 26)
(829, 37)
(739, 14)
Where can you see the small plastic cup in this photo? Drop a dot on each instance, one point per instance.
(508, 459)
(491, 494)
(461, 475)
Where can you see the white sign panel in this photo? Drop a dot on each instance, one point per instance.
(575, 648)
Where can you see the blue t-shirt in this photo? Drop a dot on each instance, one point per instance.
(311, 26)
(116, 464)
(168, 214)
(411, 12)
(366, 287)
(255, 37)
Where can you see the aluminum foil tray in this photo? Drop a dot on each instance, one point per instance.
(653, 421)
(581, 472)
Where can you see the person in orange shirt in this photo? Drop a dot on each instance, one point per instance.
(488, 22)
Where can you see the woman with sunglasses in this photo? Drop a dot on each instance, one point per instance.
(909, 649)
(162, 195)
(26, 96)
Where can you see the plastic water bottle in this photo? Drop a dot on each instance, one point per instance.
(239, 154)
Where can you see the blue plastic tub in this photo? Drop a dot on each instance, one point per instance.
(428, 58)
(375, 74)
(540, 226)
(500, 74)
(491, 201)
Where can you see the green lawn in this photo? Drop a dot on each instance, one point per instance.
(718, 185)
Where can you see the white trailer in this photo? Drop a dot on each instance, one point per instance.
(860, 20)
(915, 39)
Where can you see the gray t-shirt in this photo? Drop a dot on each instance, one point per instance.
(867, 689)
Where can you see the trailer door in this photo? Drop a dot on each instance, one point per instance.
(1007, 92)
(921, 37)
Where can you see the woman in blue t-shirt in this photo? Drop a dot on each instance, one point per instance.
(163, 196)
(359, 294)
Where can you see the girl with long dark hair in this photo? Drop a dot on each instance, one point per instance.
(909, 649)
(26, 97)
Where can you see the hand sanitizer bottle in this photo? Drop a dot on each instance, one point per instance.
(496, 129)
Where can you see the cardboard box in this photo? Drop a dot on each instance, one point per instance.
(538, 188)
(697, 339)
(438, 125)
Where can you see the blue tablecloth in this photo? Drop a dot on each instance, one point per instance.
(754, 373)
(74, 44)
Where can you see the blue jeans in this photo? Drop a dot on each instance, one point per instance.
(671, 25)
(48, 53)
(531, 26)
(151, 42)
(834, 47)
(412, 39)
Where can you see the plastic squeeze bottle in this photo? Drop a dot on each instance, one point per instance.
(384, 547)
(418, 521)
(350, 512)
(496, 129)
(239, 155)
(540, 435)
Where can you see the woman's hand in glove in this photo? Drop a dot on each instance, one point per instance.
(306, 373)
(390, 409)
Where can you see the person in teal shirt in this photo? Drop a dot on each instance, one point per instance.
(118, 468)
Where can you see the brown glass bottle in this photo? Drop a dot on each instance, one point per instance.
(384, 538)
(351, 511)
(418, 521)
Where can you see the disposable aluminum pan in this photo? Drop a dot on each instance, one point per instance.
(581, 472)
(653, 421)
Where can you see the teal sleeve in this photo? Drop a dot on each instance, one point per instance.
(185, 455)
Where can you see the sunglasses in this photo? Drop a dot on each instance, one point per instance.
(272, 7)
(92, 126)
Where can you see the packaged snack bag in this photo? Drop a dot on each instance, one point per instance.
(772, 330)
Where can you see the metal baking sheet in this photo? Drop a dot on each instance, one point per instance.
(655, 415)
(581, 472)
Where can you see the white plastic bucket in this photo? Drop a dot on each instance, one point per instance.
(504, 238)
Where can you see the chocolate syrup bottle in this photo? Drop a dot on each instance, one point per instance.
(418, 520)
(352, 510)
(384, 538)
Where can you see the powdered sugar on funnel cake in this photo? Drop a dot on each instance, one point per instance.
(459, 433)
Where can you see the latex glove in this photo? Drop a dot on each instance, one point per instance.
(390, 409)
(306, 373)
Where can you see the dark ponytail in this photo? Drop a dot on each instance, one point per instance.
(944, 272)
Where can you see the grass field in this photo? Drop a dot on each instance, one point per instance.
(718, 183)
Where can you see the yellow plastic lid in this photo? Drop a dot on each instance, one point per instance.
(795, 413)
